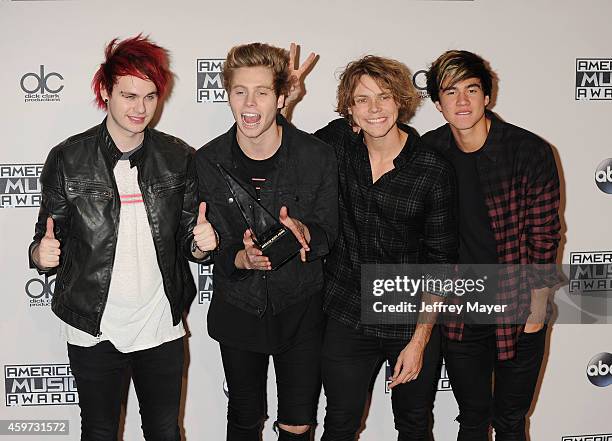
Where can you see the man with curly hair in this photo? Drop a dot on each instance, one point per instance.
(396, 202)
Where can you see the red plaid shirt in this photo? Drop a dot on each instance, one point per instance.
(518, 174)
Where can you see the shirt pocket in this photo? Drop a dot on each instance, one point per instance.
(169, 186)
(88, 190)
(299, 203)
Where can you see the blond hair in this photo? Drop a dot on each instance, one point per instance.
(255, 55)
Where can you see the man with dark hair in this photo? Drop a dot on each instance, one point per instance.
(396, 201)
(508, 190)
(255, 312)
(118, 218)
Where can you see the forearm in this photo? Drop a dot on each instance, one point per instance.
(539, 303)
(427, 318)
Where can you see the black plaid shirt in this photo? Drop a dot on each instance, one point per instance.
(406, 216)
(518, 174)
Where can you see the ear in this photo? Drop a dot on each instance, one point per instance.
(280, 102)
(438, 106)
(104, 94)
(486, 100)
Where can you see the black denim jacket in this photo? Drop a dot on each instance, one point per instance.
(305, 181)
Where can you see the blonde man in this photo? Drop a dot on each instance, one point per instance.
(255, 312)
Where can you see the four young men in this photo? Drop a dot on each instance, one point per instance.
(120, 216)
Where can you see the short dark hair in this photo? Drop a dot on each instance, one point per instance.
(454, 66)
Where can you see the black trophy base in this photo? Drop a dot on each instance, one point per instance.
(279, 246)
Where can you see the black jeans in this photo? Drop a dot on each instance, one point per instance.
(99, 372)
(298, 385)
(350, 360)
(471, 363)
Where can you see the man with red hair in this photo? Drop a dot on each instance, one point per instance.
(117, 221)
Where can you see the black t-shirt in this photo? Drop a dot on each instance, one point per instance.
(270, 334)
(476, 241)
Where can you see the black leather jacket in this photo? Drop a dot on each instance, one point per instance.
(80, 194)
(305, 180)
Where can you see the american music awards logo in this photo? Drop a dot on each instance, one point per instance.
(210, 81)
(39, 385)
(20, 185)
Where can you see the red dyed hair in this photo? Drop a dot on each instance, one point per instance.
(137, 56)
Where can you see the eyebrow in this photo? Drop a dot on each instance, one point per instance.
(377, 94)
(123, 92)
(256, 87)
(467, 87)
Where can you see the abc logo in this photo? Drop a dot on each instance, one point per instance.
(599, 369)
(603, 176)
(40, 82)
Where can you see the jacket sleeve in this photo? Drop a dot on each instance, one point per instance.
(53, 204)
(322, 221)
(189, 214)
(542, 225)
(335, 133)
(440, 241)
(229, 241)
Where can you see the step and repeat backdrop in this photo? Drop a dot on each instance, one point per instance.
(554, 63)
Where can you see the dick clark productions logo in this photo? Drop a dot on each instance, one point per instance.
(42, 85)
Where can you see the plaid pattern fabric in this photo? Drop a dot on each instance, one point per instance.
(519, 177)
(406, 216)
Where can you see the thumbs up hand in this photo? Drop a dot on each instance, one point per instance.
(47, 253)
(204, 235)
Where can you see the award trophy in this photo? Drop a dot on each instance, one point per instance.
(275, 240)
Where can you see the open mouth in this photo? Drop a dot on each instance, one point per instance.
(250, 119)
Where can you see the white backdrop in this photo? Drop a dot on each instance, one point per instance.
(532, 46)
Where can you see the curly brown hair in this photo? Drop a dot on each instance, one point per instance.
(259, 54)
(389, 74)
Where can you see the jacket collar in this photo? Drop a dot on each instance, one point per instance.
(284, 153)
(404, 155)
(113, 153)
(493, 145)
